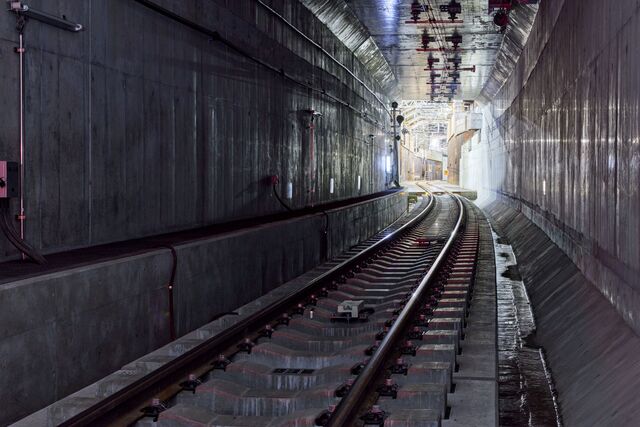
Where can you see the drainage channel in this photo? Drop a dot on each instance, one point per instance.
(526, 391)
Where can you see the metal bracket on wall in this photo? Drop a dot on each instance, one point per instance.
(22, 9)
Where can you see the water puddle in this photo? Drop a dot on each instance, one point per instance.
(526, 392)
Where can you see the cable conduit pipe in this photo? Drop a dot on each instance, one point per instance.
(325, 236)
(14, 238)
(327, 54)
(20, 51)
(170, 286)
(324, 243)
(325, 231)
(216, 36)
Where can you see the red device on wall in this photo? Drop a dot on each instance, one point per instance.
(9, 178)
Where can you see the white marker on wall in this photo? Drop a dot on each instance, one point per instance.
(290, 190)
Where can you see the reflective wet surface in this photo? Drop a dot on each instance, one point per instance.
(526, 390)
(561, 137)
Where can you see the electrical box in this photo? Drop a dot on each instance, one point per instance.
(353, 308)
(499, 4)
(474, 121)
(9, 179)
(507, 4)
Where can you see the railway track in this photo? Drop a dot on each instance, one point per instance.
(298, 362)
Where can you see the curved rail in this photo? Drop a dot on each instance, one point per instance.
(347, 409)
(170, 374)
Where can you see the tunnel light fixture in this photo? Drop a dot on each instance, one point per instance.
(289, 190)
(331, 186)
(544, 187)
(22, 9)
(387, 164)
(359, 182)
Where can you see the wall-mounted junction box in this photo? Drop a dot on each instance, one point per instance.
(9, 179)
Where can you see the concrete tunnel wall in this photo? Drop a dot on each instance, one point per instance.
(557, 173)
(560, 141)
(139, 125)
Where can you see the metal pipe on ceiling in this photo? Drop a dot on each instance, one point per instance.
(216, 36)
(321, 49)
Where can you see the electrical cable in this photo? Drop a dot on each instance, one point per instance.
(275, 192)
(325, 235)
(170, 286)
(440, 36)
(216, 36)
(325, 231)
(14, 238)
(326, 53)
(448, 70)
(326, 224)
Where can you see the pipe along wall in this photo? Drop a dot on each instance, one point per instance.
(140, 124)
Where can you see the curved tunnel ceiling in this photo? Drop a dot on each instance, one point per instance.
(522, 18)
(379, 35)
(397, 40)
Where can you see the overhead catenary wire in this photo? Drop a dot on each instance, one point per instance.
(440, 35)
(439, 32)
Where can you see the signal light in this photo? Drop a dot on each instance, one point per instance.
(501, 19)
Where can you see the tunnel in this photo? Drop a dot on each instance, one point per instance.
(409, 213)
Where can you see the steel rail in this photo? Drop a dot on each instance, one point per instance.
(347, 410)
(141, 391)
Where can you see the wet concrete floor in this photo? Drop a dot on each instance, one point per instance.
(526, 392)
